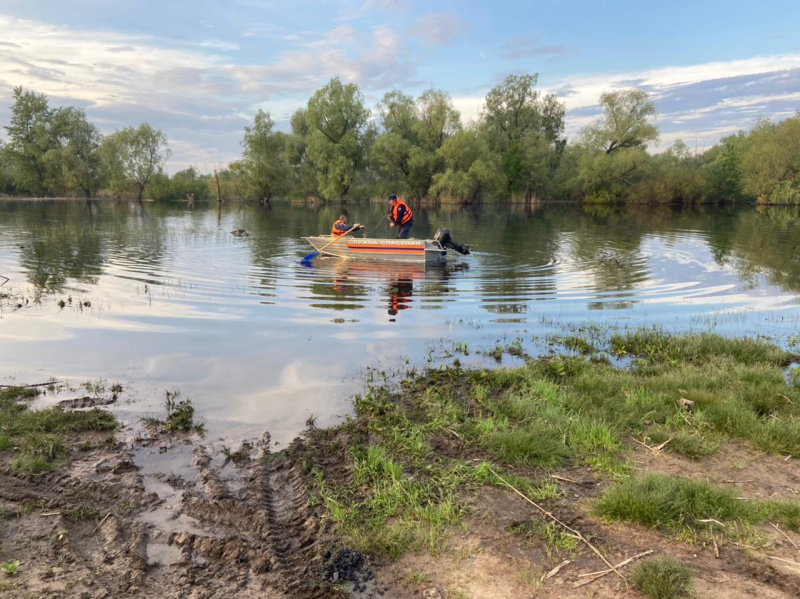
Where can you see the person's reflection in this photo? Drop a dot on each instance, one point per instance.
(400, 291)
(340, 280)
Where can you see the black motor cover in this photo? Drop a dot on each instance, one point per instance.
(443, 236)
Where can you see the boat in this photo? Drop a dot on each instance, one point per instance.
(421, 251)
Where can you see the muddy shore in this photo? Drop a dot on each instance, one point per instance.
(424, 492)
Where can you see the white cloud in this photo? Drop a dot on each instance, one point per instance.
(437, 29)
(587, 88)
(717, 98)
(190, 90)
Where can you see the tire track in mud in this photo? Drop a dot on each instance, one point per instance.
(293, 530)
(266, 528)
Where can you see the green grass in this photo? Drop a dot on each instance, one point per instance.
(679, 504)
(180, 415)
(397, 513)
(530, 446)
(556, 540)
(660, 346)
(413, 453)
(81, 513)
(9, 568)
(31, 464)
(40, 434)
(661, 578)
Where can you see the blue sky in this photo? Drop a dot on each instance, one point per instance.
(200, 69)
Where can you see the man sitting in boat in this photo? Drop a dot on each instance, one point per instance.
(340, 227)
(400, 216)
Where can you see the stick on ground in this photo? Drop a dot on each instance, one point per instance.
(560, 523)
(788, 538)
(599, 575)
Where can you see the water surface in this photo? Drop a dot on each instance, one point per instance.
(164, 297)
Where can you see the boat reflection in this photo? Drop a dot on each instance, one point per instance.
(400, 292)
(382, 283)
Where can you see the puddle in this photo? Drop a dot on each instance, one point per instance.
(162, 554)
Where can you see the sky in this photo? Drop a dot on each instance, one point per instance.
(200, 69)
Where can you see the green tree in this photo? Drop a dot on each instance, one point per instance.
(74, 161)
(336, 120)
(471, 173)
(725, 165)
(614, 148)
(626, 121)
(264, 165)
(303, 170)
(676, 175)
(438, 119)
(134, 156)
(527, 129)
(398, 115)
(29, 139)
(770, 161)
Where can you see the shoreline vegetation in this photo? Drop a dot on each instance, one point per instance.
(337, 150)
(658, 463)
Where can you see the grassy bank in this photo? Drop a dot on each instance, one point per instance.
(417, 456)
(39, 440)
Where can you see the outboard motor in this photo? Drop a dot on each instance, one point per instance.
(443, 237)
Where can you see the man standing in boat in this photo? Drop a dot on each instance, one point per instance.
(340, 227)
(400, 216)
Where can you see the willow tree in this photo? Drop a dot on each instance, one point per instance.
(336, 120)
(527, 129)
(134, 156)
(29, 139)
(76, 161)
(627, 121)
(264, 164)
(614, 148)
(770, 161)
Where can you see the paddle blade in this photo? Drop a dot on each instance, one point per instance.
(309, 258)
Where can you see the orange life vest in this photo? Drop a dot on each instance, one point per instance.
(406, 216)
(337, 232)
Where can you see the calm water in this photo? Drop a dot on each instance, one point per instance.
(260, 342)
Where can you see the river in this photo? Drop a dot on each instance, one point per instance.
(162, 296)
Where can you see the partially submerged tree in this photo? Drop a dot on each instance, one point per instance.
(264, 164)
(614, 148)
(29, 139)
(471, 174)
(76, 160)
(527, 130)
(134, 156)
(336, 120)
(626, 122)
(770, 161)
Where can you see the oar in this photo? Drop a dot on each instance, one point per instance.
(313, 255)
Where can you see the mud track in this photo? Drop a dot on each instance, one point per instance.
(105, 529)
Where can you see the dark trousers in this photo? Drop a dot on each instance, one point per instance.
(402, 230)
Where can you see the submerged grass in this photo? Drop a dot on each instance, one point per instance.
(179, 415)
(39, 435)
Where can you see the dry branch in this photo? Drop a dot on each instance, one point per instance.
(555, 570)
(788, 538)
(544, 512)
(598, 575)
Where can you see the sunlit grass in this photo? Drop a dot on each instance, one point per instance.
(662, 578)
(675, 503)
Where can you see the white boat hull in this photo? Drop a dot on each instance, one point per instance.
(421, 251)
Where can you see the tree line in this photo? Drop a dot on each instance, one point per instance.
(339, 149)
